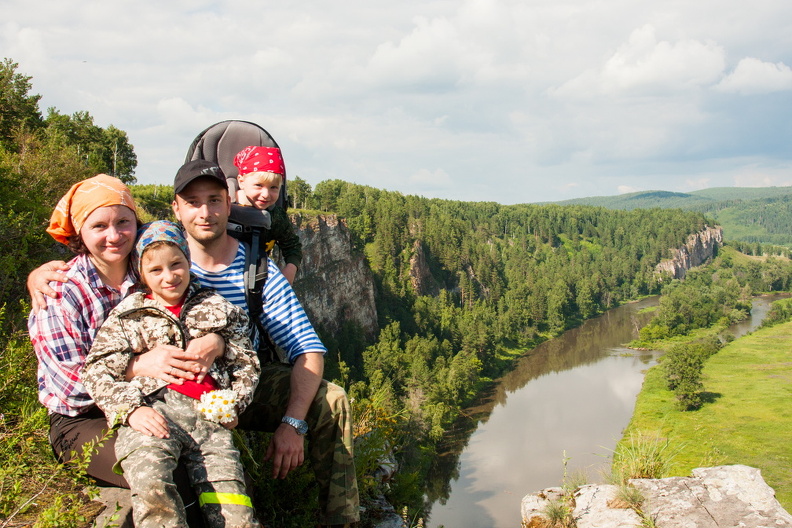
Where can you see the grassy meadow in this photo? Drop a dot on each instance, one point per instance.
(747, 414)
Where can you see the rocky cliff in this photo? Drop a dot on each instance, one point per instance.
(334, 283)
(699, 248)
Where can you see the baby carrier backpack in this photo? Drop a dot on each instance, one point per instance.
(220, 143)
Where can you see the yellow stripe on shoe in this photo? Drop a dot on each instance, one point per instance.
(224, 498)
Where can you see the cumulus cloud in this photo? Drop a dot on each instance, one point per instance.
(753, 76)
(645, 65)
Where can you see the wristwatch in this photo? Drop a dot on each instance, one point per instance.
(301, 426)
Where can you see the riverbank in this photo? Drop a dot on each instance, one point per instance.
(747, 417)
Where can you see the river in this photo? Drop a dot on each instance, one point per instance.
(566, 403)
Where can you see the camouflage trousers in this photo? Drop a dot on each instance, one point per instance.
(208, 453)
(329, 438)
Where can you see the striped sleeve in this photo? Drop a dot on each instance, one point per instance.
(285, 319)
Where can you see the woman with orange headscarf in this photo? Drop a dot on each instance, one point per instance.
(96, 219)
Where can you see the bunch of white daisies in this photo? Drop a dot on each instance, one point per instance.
(219, 405)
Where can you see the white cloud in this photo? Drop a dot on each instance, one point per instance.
(753, 76)
(645, 66)
(549, 100)
(761, 176)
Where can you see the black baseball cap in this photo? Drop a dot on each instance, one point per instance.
(192, 170)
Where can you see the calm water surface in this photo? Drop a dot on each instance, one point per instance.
(570, 397)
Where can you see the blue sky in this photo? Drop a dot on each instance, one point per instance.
(476, 100)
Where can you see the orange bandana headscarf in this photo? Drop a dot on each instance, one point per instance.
(83, 199)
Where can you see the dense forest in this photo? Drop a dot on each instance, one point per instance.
(500, 279)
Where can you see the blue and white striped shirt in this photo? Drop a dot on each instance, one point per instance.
(283, 317)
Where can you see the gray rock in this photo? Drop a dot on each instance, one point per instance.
(719, 497)
(714, 497)
(592, 509)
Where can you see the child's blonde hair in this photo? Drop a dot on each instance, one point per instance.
(267, 177)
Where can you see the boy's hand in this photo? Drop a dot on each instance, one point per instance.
(149, 422)
(38, 283)
(232, 424)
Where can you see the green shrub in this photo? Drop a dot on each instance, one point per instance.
(683, 365)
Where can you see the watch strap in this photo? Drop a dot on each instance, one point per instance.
(301, 426)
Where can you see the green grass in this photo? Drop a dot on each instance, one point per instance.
(747, 417)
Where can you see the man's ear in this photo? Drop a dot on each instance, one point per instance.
(175, 207)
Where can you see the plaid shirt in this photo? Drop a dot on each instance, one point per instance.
(62, 335)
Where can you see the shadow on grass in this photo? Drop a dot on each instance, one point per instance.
(710, 397)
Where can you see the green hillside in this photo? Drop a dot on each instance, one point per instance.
(756, 215)
(643, 200)
(720, 194)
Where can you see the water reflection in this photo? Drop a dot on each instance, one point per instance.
(572, 395)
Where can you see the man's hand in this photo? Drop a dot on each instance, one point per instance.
(286, 450)
(38, 283)
(149, 422)
(207, 349)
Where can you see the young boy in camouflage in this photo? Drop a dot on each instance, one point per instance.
(161, 422)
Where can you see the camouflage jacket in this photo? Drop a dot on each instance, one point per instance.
(139, 324)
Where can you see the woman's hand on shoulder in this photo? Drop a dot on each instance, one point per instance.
(149, 422)
(38, 283)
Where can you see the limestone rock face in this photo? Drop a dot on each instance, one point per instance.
(719, 497)
(334, 284)
(420, 277)
(714, 497)
(699, 248)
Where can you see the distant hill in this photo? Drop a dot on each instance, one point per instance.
(747, 214)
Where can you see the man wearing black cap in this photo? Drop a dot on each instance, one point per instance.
(291, 401)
